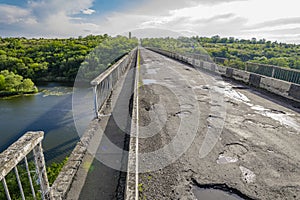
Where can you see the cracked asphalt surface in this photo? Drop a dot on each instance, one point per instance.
(214, 133)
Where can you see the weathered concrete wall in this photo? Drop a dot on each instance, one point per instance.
(241, 75)
(254, 80)
(294, 91)
(229, 72)
(276, 86)
(221, 69)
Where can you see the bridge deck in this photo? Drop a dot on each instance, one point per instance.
(195, 129)
(201, 130)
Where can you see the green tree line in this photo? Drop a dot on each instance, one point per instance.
(56, 59)
(235, 51)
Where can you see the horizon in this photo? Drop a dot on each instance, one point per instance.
(133, 36)
(241, 19)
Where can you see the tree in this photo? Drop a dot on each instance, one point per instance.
(27, 85)
(2, 82)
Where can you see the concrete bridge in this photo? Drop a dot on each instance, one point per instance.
(172, 126)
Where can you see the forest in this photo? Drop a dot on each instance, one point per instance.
(24, 62)
(233, 52)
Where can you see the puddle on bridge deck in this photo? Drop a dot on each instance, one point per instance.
(148, 81)
(151, 71)
(213, 194)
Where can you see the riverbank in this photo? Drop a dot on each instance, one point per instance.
(40, 87)
(7, 95)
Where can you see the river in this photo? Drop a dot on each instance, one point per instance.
(49, 111)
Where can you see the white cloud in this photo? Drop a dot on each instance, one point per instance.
(225, 18)
(13, 14)
(156, 7)
(88, 11)
(52, 18)
(282, 22)
(276, 20)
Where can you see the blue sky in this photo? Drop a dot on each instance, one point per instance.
(273, 20)
(14, 2)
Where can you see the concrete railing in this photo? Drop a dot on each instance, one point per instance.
(106, 81)
(15, 154)
(280, 87)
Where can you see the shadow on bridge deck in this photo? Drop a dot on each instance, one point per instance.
(102, 181)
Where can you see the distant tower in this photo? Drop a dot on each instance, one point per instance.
(129, 35)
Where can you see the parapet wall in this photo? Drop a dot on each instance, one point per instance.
(283, 88)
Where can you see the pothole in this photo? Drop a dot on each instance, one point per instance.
(277, 111)
(186, 106)
(151, 71)
(205, 87)
(226, 159)
(247, 175)
(231, 153)
(239, 87)
(280, 116)
(236, 148)
(184, 113)
(254, 122)
(148, 81)
(215, 116)
(213, 194)
(216, 192)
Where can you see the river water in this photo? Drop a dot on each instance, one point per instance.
(49, 111)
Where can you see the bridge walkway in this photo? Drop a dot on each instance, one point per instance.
(101, 174)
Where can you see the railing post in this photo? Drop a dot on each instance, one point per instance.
(273, 72)
(6, 189)
(96, 101)
(29, 177)
(19, 183)
(41, 171)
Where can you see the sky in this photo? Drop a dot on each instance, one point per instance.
(269, 19)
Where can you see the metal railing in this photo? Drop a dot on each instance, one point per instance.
(289, 75)
(16, 155)
(105, 82)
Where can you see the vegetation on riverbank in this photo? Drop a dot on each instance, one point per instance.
(52, 172)
(58, 60)
(234, 51)
(14, 84)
